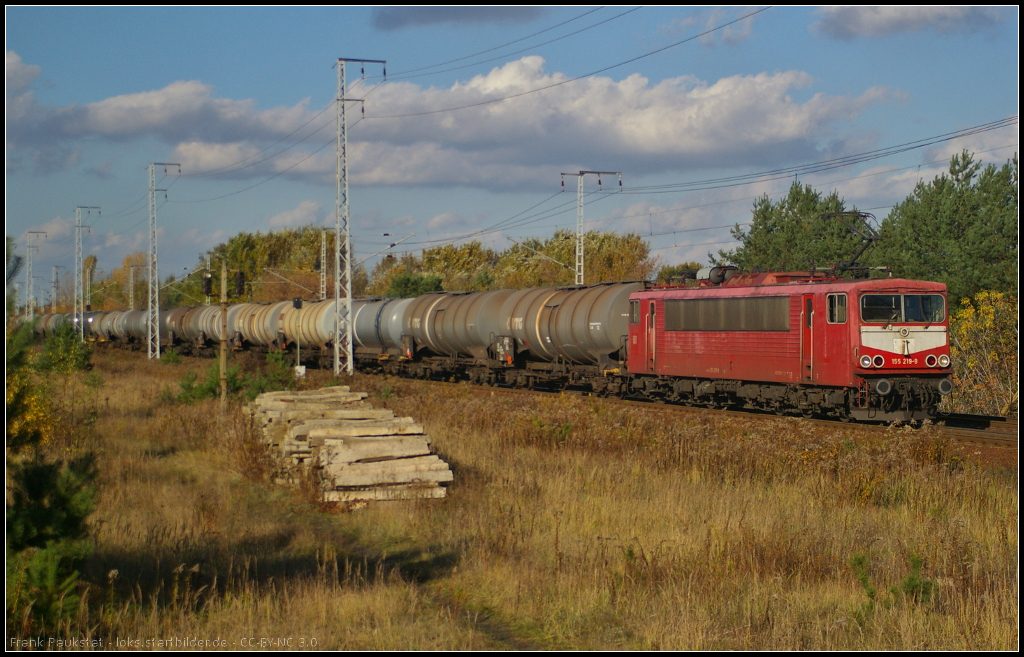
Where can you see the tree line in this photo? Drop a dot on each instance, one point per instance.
(959, 229)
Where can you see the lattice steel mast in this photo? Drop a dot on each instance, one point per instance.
(79, 266)
(343, 337)
(579, 212)
(153, 319)
(323, 264)
(30, 297)
(56, 280)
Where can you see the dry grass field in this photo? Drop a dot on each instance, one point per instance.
(572, 523)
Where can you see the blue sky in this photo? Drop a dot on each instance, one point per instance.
(95, 94)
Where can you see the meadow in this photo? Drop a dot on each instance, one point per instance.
(572, 523)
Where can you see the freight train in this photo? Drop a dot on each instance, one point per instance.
(798, 342)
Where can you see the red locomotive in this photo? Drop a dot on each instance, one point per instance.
(867, 349)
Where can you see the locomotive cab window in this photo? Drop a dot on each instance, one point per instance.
(634, 311)
(837, 309)
(928, 308)
(924, 308)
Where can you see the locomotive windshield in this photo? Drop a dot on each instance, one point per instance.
(925, 308)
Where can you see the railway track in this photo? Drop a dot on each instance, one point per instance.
(976, 429)
(981, 429)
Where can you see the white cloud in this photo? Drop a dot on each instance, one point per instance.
(185, 110)
(995, 146)
(447, 220)
(307, 213)
(706, 20)
(181, 112)
(57, 229)
(630, 125)
(19, 75)
(848, 23)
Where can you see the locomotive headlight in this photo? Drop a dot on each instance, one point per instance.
(865, 361)
(930, 360)
(943, 360)
(879, 361)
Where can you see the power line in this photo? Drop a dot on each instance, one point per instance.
(221, 170)
(517, 52)
(752, 198)
(510, 223)
(484, 52)
(558, 84)
(825, 165)
(266, 180)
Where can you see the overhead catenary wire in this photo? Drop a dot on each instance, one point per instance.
(265, 180)
(222, 170)
(515, 52)
(754, 198)
(508, 224)
(504, 45)
(575, 79)
(824, 165)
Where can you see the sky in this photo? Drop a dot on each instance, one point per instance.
(481, 111)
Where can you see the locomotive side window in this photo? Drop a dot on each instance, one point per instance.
(926, 308)
(733, 314)
(837, 309)
(634, 311)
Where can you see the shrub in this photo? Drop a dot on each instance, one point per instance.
(170, 356)
(48, 502)
(63, 352)
(983, 341)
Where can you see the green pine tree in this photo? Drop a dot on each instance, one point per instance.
(798, 232)
(959, 229)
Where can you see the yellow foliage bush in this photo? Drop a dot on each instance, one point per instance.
(983, 344)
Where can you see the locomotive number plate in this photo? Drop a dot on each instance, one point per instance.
(903, 361)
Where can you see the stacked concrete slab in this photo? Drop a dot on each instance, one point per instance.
(360, 453)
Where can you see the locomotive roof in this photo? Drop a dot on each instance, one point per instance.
(787, 283)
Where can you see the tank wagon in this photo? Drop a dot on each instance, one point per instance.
(807, 343)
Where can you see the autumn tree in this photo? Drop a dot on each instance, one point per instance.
(465, 267)
(405, 285)
(533, 262)
(277, 265)
(959, 229)
(984, 347)
(608, 257)
(669, 274)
